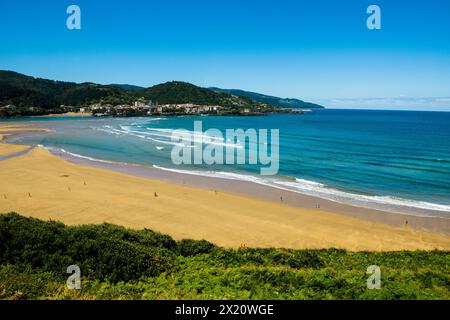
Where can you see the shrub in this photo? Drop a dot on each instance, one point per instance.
(188, 248)
(104, 252)
(120, 263)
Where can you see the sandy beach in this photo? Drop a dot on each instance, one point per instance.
(67, 114)
(42, 185)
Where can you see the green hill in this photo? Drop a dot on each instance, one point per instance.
(34, 96)
(41, 96)
(183, 92)
(271, 100)
(129, 87)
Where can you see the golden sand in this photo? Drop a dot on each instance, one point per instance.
(68, 114)
(45, 186)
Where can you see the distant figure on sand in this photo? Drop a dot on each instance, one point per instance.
(156, 195)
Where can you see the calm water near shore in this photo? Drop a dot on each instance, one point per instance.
(390, 160)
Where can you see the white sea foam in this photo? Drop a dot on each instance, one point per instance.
(76, 155)
(197, 137)
(139, 134)
(147, 120)
(165, 136)
(316, 189)
(381, 202)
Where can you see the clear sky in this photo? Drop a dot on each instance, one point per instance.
(318, 50)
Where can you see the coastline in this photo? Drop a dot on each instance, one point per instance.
(248, 213)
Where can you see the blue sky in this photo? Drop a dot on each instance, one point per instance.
(319, 51)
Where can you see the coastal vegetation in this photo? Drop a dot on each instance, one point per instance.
(120, 263)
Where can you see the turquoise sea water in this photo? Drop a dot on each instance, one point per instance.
(384, 159)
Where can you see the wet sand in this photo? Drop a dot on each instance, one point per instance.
(7, 130)
(6, 149)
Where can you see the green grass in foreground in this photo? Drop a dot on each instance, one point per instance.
(118, 263)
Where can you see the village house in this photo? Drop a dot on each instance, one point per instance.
(144, 104)
(188, 108)
(96, 106)
(68, 108)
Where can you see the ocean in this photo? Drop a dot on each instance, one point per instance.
(397, 161)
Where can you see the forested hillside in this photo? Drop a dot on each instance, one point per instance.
(32, 96)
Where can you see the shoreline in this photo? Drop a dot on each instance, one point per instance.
(436, 223)
(379, 203)
(271, 223)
